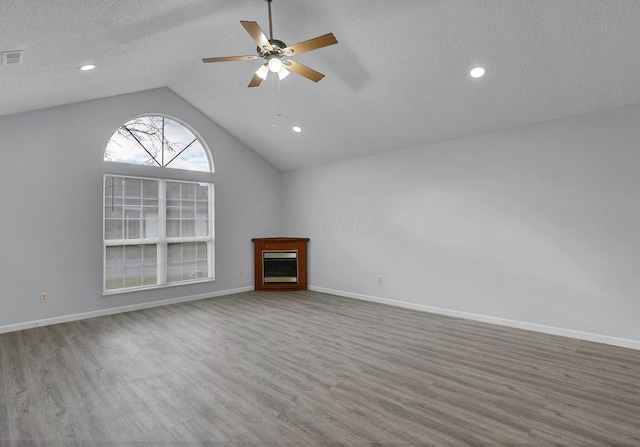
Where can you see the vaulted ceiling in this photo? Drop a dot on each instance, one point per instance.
(398, 78)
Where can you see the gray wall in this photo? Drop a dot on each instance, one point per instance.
(51, 173)
(539, 224)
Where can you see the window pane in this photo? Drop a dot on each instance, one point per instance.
(150, 189)
(188, 228)
(188, 210)
(133, 187)
(173, 212)
(113, 229)
(173, 190)
(113, 186)
(202, 192)
(112, 212)
(150, 265)
(151, 223)
(187, 261)
(188, 191)
(173, 228)
(114, 268)
(149, 209)
(202, 228)
(113, 197)
(202, 207)
(131, 266)
(133, 276)
(202, 264)
(203, 254)
(132, 224)
(189, 251)
(174, 262)
(194, 158)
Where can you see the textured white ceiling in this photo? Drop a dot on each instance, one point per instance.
(397, 79)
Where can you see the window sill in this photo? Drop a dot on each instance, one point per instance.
(155, 287)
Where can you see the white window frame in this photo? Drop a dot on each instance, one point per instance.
(162, 241)
(162, 175)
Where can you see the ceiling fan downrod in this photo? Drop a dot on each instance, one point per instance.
(270, 21)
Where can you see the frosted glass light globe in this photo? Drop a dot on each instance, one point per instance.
(275, 65)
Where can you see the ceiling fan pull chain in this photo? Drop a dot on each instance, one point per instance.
(274, 106)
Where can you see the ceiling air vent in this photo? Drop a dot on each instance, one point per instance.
(12, 57)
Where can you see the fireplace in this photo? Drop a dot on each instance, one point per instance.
(280, 266)
(280, 263)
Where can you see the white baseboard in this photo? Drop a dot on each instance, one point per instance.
(622, 342)
(597, 338)
(117, 310)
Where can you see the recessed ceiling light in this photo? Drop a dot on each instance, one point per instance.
(297, 129)
(87, 67)
(478, 72)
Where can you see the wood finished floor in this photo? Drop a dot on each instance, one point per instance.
(309, 369)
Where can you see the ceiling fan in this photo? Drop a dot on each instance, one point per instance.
(274, 51)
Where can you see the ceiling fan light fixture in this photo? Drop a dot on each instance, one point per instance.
(283, 73)
(263, 71)
(275, 64)
(272, 50)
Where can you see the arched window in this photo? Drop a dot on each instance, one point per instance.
(157, 231)
(157, 141)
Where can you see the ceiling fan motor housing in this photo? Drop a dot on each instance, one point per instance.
(277, 45)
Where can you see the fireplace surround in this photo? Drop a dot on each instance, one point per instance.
(280, 263)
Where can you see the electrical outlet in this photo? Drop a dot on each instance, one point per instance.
(44, 297)
(240, 273)
(379, 279)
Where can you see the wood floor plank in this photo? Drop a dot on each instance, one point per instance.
(305, 368)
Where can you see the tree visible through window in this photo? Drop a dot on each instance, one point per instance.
(157, 231)
(157, 141)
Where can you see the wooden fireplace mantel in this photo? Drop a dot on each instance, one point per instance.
(280, 243)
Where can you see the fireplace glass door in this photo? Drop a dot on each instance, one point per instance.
(280, 266)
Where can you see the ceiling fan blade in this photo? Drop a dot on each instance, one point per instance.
(303, 70)
(255, 81)
(311, 44)
(229, 58)
(256, 33)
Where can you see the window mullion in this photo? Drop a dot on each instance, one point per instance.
(162, 228)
